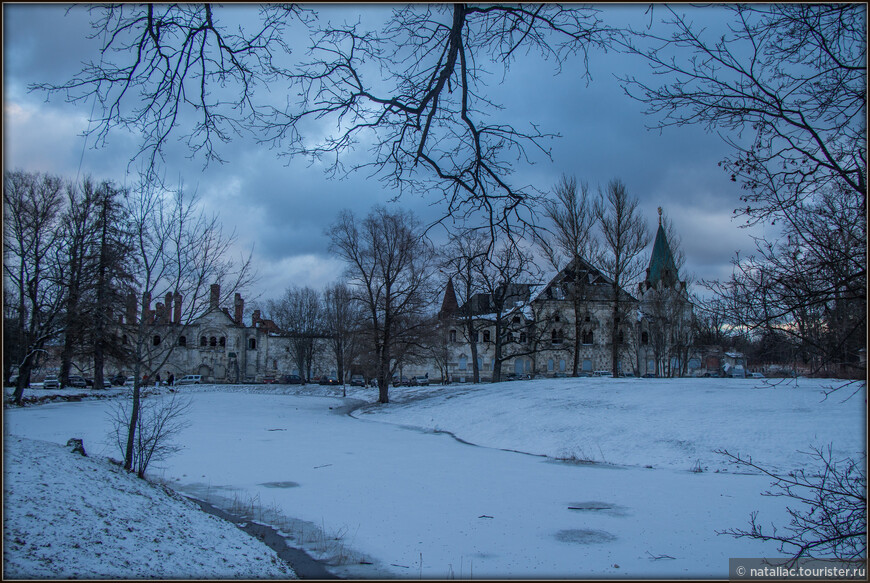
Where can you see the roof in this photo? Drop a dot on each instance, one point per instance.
(449, 306)
(599, 285)
(661, 264)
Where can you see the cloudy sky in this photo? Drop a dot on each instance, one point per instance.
(282, 209)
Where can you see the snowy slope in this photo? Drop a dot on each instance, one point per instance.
(68, 516)
(664, 423)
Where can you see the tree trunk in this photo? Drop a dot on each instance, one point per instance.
(134, 420)
(614, 333)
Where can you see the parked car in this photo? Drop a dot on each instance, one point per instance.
(191, 379)
(77, 382)
(649, 375)
(420, 381)
(291, 379)
(118, 380)
(757, 375)
(328, 380)
(398, 381)
(357, 380)
(603, 373)
(51, 382)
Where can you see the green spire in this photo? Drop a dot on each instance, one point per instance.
(661, 264)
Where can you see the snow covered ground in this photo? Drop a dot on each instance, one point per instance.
(388, 487)
(71, 516)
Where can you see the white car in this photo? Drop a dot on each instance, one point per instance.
(756, 375)
(51, 382)
(191, 379)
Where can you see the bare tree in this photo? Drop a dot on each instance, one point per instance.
(413, 91)
(390, 267)
(835, 524)
(571, 245)
(786, 87)
(506, 277)
(160, 420)
(463, 258)
(342, 318)
(624, 237)
(32, 267)
(182, 253)
(300, 314)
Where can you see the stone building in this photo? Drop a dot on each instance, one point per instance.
(533, 334)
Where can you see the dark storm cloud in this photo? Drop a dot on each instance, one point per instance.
(283, 209)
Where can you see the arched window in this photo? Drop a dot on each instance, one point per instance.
(222, 341)
(522, 337)
(182, 340)
(203, 341)
(453, 336)
(510, 336)
(124, 339)
(156, 340)
(516, 320)
(212, 341)
(463, 363)
(557, 318)
(252, 343)
(587, 337)
(644, 338)
(486, 336)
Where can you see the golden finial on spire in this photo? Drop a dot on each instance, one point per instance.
(660, 216)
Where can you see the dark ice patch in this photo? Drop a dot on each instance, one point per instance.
(280, 484)
(584, 536)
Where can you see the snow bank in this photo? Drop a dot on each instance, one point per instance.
(68, 516)
(664, 423)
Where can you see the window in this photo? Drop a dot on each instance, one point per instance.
(203, 341)
(156, 340)
(557, 318)
(621, 337)
(558, 336)
(182, 340)
(587, 318)
(562, 365)
(252, 343)
(644, 338)
(587, 337)
(124, 339)
(463, 363)
(522, 337)
(486, 336)
(510, 336)
(453, 336)
(516, 320)
(212, 341)
(550, 365)
(222, 341)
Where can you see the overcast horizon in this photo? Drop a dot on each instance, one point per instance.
(282, 209)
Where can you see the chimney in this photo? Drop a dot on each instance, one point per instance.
(255, 318)
(215, 296)
(146, 306)
(158, 309)
(131, 308)
(240, 308)
(168, 312)
(176, 316)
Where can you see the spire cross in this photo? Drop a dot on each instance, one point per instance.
(660, 216)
